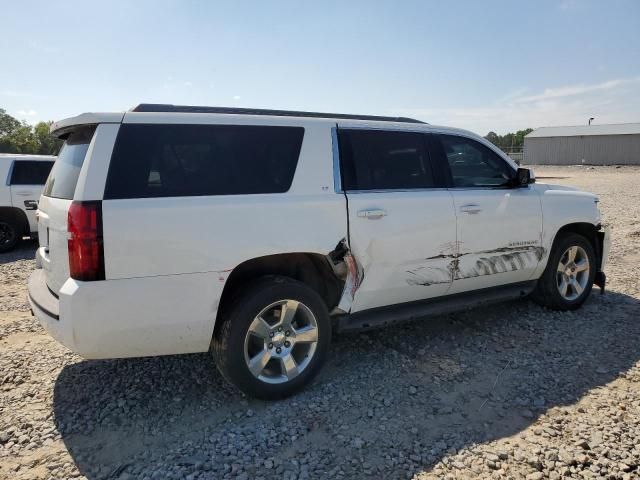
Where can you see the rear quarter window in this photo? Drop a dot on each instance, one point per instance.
(196, 160)
(66, 170)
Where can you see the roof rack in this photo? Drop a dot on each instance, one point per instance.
(159, 107)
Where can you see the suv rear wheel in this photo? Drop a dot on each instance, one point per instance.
(274, 338)
(568, 277)
(9, 234)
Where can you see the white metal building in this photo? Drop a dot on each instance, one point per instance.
(613, 144)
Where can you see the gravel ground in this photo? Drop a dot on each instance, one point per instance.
(510, 391)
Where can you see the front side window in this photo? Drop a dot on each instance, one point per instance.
(384, 160)
(196, 160)
(30, 172)
(473, 164)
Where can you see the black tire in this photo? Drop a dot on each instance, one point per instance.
(547, 292)
(228, 345)
(10, 234)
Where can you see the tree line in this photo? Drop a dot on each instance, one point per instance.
(20, 137)
(508, 141)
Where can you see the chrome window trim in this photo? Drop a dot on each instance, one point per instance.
(483, 188)
(434, 130)
(8, 182)
(397, 190)
(424, 129)
(431, 189)
(392, 128)
(337, 179)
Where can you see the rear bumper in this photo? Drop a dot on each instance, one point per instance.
(46, 308)
(41, 298)
(130, 317)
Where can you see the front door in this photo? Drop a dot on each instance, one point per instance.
(27, 179)
(499, 228)
(401, 221)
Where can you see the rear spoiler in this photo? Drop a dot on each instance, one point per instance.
(62, 127)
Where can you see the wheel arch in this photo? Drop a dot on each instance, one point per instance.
(312, 269)
(547, 292)
(587, 230)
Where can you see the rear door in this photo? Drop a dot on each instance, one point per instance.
(54, 204)
(27, 179)
(402, 226)
(499, 228)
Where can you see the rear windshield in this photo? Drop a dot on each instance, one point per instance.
(64, 174)
(194, 160)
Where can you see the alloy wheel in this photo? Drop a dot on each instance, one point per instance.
(281, 341)
(573, 273)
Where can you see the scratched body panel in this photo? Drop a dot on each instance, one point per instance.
(417, 226)
(499, 244)
(489, 262)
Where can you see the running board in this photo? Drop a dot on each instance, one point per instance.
(380, 317)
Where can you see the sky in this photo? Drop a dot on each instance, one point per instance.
(481, 65)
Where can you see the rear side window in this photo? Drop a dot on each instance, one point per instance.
(64, 174)
(195, 160)
(473, 164)
(384, 160)
(30, 172)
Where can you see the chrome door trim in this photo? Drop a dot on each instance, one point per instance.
(409, 128)
(506, 189)
(397, 190)
(337, 179)
(10, 173)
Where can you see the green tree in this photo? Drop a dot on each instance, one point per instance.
(8, 124)
(508, 140)
(21, 140)
(20, 137)
(493, 137)
(47, 143)
(520, 134)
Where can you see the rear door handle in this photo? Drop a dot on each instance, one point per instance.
(372, 214)
(23, 193)
(30, 205)
(471, 208)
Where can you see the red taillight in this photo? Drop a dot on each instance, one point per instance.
(86, 253)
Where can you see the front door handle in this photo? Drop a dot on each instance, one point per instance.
(470, 208)
(372, 214)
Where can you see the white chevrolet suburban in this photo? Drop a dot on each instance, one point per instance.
(256, 233)
(21, 180)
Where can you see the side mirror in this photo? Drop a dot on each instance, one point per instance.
(524, 177)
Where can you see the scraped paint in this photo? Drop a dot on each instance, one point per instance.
(491, 262)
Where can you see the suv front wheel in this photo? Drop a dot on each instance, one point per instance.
(568, 277)
(273, 339)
